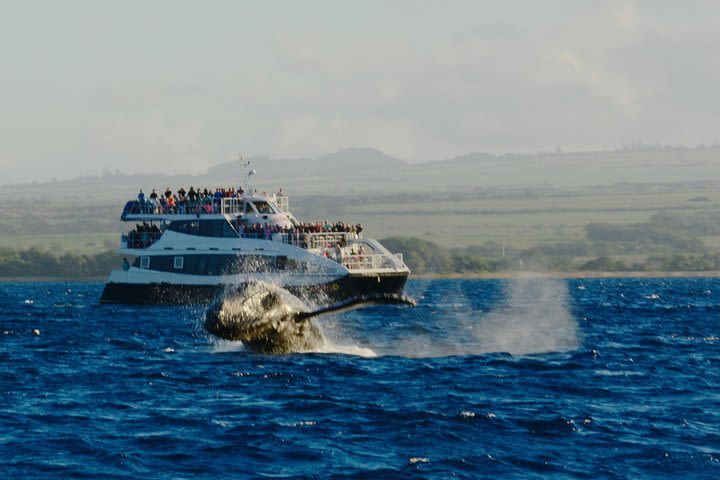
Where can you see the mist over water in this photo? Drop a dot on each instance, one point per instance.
(527, 316)
(536, 319)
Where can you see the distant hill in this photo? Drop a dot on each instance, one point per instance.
(341, 162)
(365, 170)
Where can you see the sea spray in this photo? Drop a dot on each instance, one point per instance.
(530, 316)
(535, 319)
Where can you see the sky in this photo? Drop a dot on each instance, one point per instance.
(177, 86)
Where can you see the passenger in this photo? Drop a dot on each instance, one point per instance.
(217, 199)
(145, 236)
(168, 192)
(171, 204)
(180, 201)
(192, 196)
(125, 264)
(338, 253)
(154, 201)
(141, 201)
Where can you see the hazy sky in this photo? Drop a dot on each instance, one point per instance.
(178, 86)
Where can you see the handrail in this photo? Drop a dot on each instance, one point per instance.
(313, 240)
(368, 261)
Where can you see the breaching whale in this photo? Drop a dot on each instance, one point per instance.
(269, 319)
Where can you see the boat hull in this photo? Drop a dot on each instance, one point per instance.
(350, 286)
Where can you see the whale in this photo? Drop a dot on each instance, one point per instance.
(269, 319)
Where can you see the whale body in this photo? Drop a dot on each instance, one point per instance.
(269, 319)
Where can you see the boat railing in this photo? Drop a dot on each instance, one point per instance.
(223, 205)
(229, 205)
(366, 261)
(337, 246)
(282, 201)
(314, 240)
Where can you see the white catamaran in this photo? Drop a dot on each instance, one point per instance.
(191, 247)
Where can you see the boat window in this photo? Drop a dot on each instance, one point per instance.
(213, 265)
(211, 228)
(248, 208)
(218, 264)
(204, 228)
(189, 227)
(228, 230)
(201, 265)
(263, 207)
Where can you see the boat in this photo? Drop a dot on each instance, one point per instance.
(192, 248)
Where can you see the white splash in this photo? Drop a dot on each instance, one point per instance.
(358, 351)
(536, 320)
(226, 346)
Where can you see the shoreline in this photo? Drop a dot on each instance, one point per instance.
(569, 275)
(458, 276)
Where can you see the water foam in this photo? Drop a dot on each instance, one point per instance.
(355, 350)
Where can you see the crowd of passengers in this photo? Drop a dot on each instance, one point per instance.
(143, 235)
(297, 233)
(191, 201)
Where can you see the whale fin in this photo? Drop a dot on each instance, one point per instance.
(354, 303)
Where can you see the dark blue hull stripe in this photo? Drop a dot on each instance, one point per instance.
(173, 294)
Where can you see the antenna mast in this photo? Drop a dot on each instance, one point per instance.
(249, 185)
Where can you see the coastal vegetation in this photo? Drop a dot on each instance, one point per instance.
(36, 262)
(422, 256)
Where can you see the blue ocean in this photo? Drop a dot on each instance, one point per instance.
(524, 378)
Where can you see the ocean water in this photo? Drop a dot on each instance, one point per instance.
(525, 378)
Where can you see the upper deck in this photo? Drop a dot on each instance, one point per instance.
(174, 207)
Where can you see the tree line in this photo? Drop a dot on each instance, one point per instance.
(607, 247)
(38, 262)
